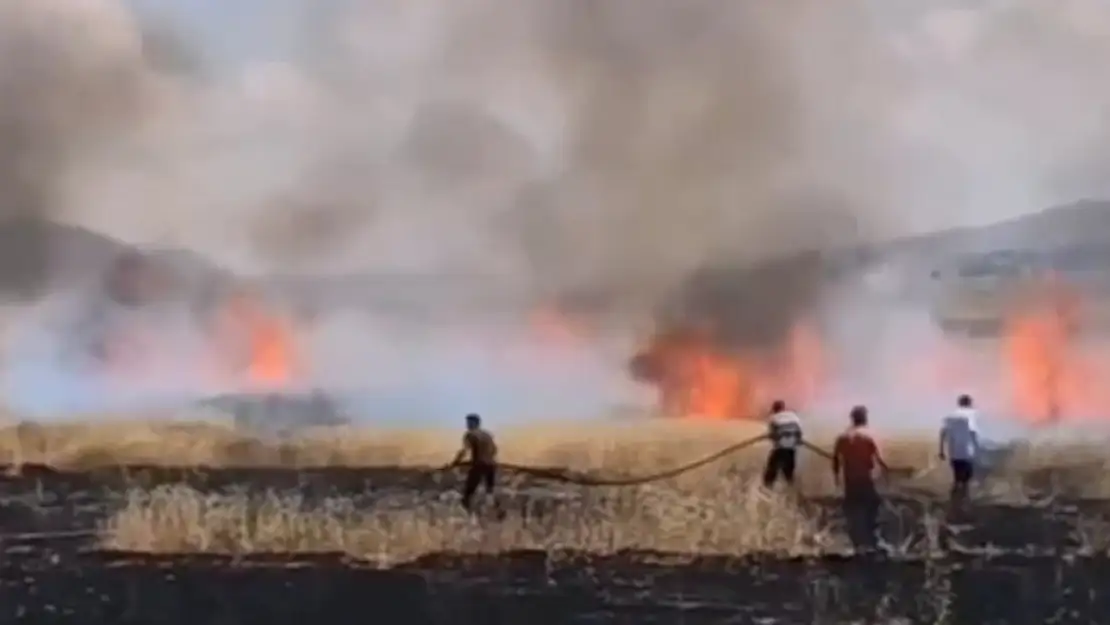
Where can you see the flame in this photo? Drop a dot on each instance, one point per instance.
(1048, 372)
(698, 379)
(268, 340)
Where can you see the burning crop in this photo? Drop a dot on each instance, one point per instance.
(262, 342)
(1054, 366)
(728, 358)
(696, 377)
(733, 338)
(235, 340)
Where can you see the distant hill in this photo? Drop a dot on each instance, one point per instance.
(1087, 220)
(38, 255)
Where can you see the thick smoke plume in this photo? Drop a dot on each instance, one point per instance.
(626, 160)
(66, 90)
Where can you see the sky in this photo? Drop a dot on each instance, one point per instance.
(230, 35)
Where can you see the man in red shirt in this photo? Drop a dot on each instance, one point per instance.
(854, 459)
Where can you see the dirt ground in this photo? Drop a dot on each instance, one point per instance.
(1032, 563)
(532, 588)
(99, 524)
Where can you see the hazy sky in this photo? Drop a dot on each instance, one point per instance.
(231, 34)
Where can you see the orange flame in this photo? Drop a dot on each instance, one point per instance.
(696, 379)
(267, 339)
(1047, 370)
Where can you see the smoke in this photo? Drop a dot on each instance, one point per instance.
(67, 90)
(628, 160)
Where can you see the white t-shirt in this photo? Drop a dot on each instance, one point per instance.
(960, 434)
(785, 430)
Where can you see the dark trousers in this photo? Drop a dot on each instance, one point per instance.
(478, 474)
(780, 462)
(861, 513)
(962, 473)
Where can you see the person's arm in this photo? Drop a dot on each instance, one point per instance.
(973, 431)
(879, 457)
(463, 451)
(838, 451)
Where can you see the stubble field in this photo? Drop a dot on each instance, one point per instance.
(142, 522)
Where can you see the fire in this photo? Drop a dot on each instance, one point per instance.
(267, 339)
(698, 379)
(245, 331)
(1048, 371)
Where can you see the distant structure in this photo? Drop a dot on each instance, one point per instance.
(280, 412)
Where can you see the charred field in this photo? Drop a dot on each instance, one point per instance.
(255, 534)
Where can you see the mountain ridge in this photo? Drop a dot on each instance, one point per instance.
(38, 256)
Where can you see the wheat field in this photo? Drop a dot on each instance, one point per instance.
(718, 509)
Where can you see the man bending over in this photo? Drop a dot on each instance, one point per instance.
(785, 433)
(478, 444)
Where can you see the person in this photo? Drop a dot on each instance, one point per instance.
(855, 456)
(959, 444)
(784, 430)
(478, 444)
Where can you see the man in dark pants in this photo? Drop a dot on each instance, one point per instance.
(959, 444)
(784, 430)
(479, 445)
(854, 459)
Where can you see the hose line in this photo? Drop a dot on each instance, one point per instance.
(582, 479)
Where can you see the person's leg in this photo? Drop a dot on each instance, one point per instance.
(873, 505)
(862, 506)
(954, 488)
(961, 479)
(969, 477)
(789, 465)
(771, 470)
(490, 482)
(953, 491)
(853, 515)
(473, 478)
(489, 478)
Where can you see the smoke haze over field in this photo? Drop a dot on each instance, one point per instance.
(603, 152)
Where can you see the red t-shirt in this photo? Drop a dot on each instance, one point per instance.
(857, 451)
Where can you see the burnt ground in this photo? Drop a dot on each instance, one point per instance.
(1004, 564)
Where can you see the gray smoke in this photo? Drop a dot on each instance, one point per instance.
(628, 159)
(73, 78)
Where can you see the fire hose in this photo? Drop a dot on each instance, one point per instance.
(566, 476)
(581, 479)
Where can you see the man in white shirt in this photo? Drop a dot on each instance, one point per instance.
(959, 444)
(784, 430)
